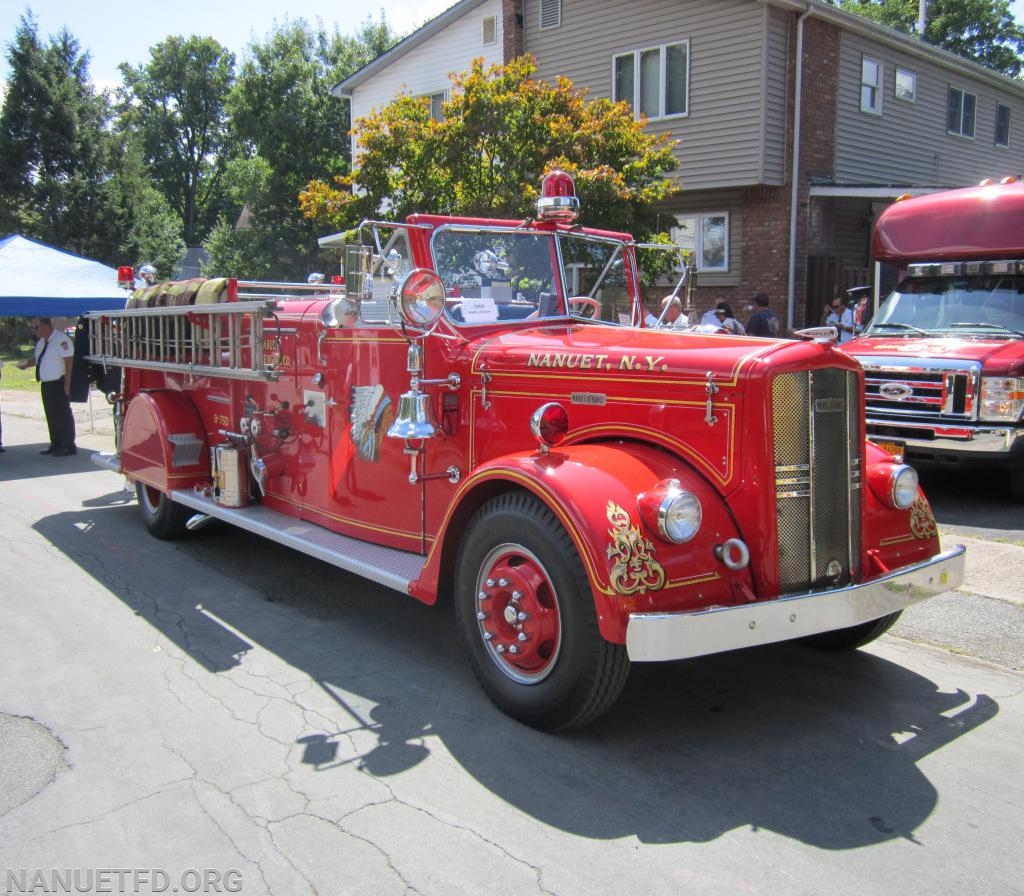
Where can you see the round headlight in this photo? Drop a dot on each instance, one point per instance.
(679, 516)
(903, 486)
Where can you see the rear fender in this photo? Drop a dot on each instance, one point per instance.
(164, 442)
(594, 491)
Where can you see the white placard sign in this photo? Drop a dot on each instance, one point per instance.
(479, 311)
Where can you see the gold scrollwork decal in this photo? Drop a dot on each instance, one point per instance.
(922, 520)
(634, 568)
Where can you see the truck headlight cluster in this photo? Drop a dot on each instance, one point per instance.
(1002, 398)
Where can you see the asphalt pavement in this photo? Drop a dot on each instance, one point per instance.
(222, 714)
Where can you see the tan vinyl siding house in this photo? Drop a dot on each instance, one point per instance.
(768, 200)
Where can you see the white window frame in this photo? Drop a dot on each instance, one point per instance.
(961, 112)
(907, 77)
(872, 78)
(695, 231)
(549, 14)
(636, 100)
(1006, 141)
(435, 100)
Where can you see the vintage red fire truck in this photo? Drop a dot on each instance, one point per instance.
(478, 414)
(944, 355)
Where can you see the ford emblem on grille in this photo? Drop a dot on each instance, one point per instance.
(895, 391)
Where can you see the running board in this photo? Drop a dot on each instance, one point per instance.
(385, 566)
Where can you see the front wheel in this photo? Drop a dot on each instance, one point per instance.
(526, 617)
(854, 636)
(163, 518)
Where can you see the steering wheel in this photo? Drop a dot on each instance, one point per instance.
(593, 304)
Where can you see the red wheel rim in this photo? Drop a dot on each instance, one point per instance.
(517, 614)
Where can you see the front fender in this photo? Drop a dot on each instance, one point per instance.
(594, 492)
(164, 442)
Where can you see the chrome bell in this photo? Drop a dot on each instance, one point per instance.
(415, 418)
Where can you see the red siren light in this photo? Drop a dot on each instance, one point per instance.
(558, 200)
(126, 277)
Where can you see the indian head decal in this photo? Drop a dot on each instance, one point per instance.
(634, 568)
(371, 415)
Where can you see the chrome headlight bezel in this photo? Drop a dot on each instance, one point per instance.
(903, 486)
(679, 516)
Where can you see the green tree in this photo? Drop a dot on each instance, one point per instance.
(57, 155)
(286, 128)
(175, 104)
(501, 131)
(982, 30)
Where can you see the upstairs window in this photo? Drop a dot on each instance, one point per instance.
(1002, 125)
(654, 81)
(435, 100)
(871, 86)
(906, 85)
(550, 13)
(960, 112)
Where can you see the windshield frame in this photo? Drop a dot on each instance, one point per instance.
(512, 304)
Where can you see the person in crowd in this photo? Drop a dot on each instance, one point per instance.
(672, 317)
(710, 318)
(54, 355)
(764, 321)
(725, 319)
(841, 317)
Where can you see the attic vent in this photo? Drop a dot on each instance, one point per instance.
(550, 13)
(490, 30)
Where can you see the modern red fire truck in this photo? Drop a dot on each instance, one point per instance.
(479, 414)
(944, 355)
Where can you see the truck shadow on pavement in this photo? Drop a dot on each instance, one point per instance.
(822, 748)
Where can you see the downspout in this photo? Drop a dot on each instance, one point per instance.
(795, 173)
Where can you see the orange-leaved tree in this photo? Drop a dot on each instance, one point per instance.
(501, 131)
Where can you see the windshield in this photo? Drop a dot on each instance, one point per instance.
(493, 274)
(984, 305)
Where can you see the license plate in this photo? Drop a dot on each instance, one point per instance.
(892, 446)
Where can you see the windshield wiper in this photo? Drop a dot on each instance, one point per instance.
(879, 325)
(978, 325)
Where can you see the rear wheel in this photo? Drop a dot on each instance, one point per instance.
(854, 636)
(162, 516)
(526, 617)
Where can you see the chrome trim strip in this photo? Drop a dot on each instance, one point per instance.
(654, 637)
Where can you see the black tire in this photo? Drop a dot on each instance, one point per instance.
(1017, 479)
(854, 636)
(526, 617)
(163, 518)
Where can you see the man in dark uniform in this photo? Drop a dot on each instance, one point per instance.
(54, 356)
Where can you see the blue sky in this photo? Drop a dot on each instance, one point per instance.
(115, 31)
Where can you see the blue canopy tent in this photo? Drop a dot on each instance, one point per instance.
(37, 280)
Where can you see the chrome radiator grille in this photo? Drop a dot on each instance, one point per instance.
(929, 390)
(817, 478)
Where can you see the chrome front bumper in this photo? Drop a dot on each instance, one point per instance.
(654, 637)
